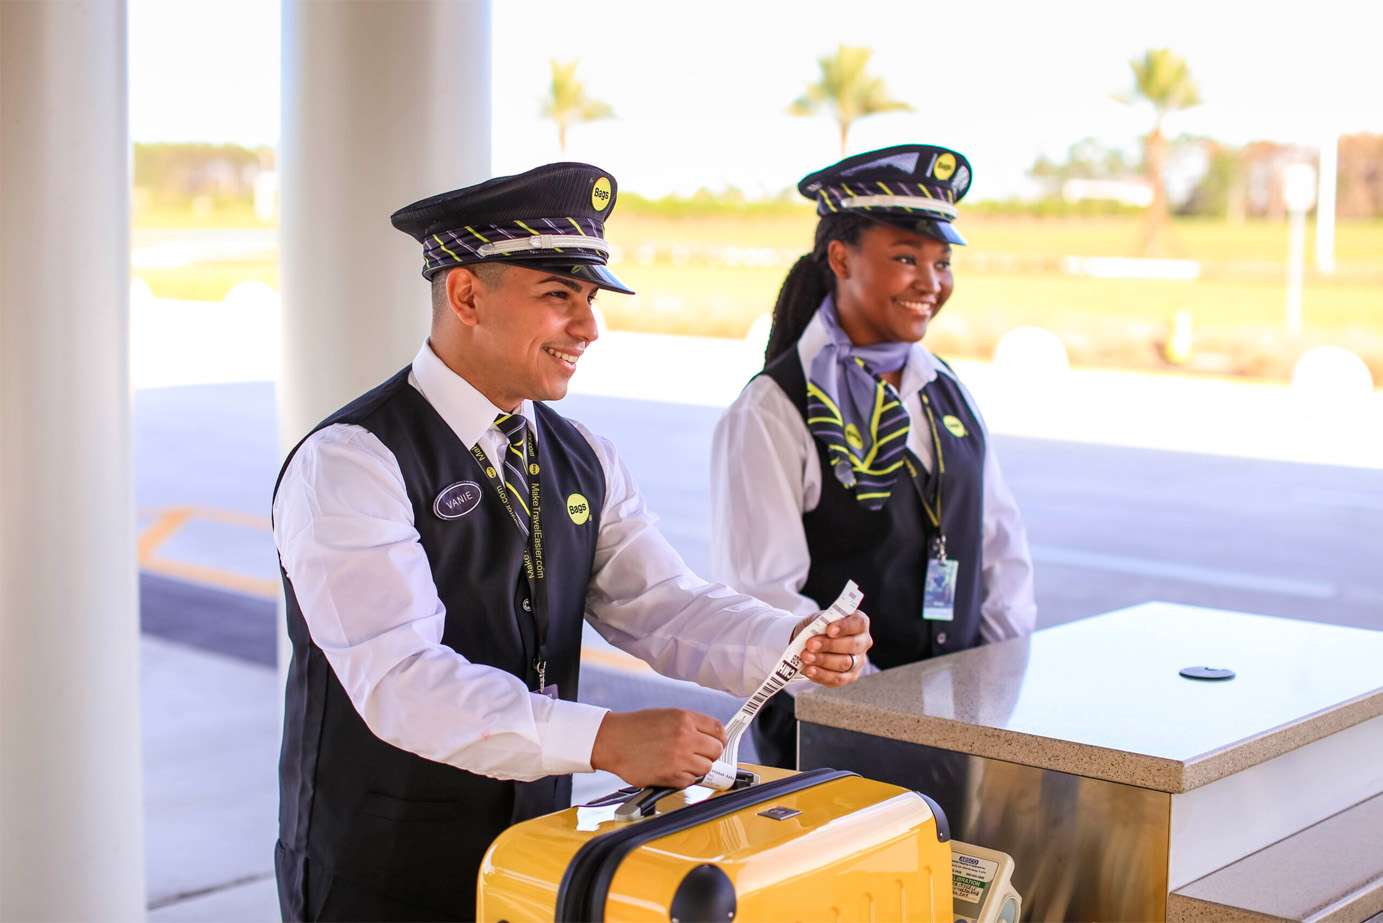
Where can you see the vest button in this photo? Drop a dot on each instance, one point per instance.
(941, 637)
(527, 606)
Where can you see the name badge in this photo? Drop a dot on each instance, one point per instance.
(939, 590)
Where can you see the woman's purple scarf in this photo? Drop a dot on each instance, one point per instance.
(848, 384)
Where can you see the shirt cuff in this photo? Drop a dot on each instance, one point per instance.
(568, 731)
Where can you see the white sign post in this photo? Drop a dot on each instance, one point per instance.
(1325, 204)
(1299, 192)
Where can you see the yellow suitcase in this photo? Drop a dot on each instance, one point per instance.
(811, 846)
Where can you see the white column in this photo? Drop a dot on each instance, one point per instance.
(71, 812)
(383, 103)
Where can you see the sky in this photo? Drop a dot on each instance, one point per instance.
(701, 90)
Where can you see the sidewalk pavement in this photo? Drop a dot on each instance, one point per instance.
(1206, 415)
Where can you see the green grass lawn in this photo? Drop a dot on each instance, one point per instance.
(1009, 275)
(208, 281)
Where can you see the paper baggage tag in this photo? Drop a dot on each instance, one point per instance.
(939, 590)
(722, 774)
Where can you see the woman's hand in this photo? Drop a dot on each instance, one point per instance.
(836, 658)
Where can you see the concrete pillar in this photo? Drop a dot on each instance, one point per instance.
(383, 103)
(71, 812)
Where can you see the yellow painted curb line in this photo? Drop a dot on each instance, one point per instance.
(172, 519)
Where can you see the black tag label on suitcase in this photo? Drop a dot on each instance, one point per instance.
(780, 813)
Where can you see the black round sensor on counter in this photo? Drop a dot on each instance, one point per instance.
(1208, 673)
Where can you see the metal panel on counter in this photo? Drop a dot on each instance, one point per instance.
(1083, 849)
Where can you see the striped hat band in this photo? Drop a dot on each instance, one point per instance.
(562, 237)
(896, 196)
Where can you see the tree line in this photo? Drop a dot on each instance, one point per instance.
(1233, 182)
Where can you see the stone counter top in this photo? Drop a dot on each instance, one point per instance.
(1103, 697)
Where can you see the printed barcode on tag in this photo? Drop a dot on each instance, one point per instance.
(722, 773)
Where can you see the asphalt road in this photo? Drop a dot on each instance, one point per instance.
(1110, 526)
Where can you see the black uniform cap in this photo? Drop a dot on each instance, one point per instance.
(915, 186)
(551, 217)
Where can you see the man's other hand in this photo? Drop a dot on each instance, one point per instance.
(836, 658)
(658, 746)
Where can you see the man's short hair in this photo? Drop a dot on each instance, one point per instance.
(488, 273)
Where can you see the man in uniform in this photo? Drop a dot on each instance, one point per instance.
(441, 539)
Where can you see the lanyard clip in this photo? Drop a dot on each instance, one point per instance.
(541, 664)
(941, 547)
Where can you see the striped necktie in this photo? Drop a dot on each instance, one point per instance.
(515, 468)
(866, 463)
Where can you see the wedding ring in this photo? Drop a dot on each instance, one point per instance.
(852, 664)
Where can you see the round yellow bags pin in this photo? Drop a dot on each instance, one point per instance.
(953, 424)
(945, 166)
(600, 194)
(579, 509)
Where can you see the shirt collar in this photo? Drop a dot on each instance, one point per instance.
(920, 370)
(468, 412)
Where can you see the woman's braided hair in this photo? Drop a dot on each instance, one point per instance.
(809, 281)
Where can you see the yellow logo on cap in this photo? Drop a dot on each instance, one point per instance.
(953, 424)
(945, 166)
(600, 195)
(579, 509)
(852, 436)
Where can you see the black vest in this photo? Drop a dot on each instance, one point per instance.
(885, 551)
(354, 806)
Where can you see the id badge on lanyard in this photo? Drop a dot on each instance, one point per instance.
(939, 587)
(939, 582)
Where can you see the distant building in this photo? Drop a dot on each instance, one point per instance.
(1360, 191)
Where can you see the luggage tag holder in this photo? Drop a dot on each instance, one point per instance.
(644, 800)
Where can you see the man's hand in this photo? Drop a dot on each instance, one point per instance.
(658, 746)
(828, 658)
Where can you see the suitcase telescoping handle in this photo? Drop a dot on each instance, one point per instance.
(642, 802)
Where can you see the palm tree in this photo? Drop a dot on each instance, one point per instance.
(1163, 79)
(847, 90)
(567, 103)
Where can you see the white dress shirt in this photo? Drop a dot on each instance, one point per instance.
(344, 529)
(765, 474)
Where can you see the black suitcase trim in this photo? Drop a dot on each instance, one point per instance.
(943, 826)
(586, 883)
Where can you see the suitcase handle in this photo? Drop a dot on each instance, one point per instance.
(643, 802)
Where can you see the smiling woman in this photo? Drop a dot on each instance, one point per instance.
(857, 454)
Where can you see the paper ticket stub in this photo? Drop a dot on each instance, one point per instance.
(722, 774)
